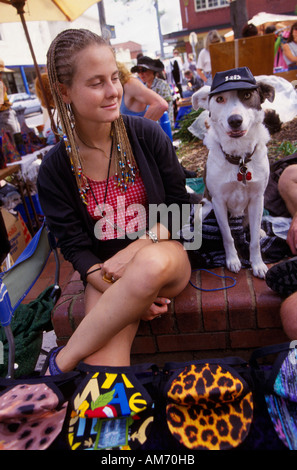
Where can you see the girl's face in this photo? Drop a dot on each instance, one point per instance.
(96, 92)
(294, 32)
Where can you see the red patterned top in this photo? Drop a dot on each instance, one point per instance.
(122, 213)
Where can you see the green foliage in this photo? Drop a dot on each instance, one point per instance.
(287, 148)
(187, 120)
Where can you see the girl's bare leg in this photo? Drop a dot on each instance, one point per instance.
(159, 269)
(117, 351)
(288, 315)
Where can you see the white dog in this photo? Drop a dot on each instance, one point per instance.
(237, 168)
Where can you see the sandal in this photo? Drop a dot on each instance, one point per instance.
(50, 363)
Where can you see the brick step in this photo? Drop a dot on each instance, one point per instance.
(216, 323)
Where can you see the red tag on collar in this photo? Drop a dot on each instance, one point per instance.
(244, 176)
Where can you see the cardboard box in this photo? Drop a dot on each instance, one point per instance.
(17, 231)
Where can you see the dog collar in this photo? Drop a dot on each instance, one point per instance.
(242, 175)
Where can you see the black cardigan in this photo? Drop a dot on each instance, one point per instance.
(68, 217)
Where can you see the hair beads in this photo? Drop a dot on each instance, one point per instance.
(61, 65)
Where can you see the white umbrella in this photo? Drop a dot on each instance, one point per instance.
(42, 10)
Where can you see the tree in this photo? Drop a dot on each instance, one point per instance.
(238, 16)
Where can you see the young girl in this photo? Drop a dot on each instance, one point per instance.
(108, 165)
(290, 48)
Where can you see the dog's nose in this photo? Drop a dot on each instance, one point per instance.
(235, 121)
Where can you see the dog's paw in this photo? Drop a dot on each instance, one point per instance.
(259, 270)
(233, 264)
(262, 233)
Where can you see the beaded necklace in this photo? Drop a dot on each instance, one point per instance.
(125, 164)
(114, 226)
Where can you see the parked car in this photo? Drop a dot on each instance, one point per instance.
(24, 102)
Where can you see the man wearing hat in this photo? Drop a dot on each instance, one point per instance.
(8, 118)
(147, 70)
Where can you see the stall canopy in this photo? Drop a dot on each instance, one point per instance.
(42, 10)
(270, 18)
(264, 19)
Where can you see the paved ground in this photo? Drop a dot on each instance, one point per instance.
(49, 342)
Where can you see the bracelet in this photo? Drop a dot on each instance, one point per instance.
(152, 236)
(94, 270)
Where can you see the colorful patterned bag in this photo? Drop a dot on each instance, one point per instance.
(209, 404)
(32, 411)
(110, 409)
(278, 385)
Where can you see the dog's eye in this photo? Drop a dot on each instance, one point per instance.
(219, 99)
(247, 95)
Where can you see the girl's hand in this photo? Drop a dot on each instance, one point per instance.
(115, 266)
(159, 307)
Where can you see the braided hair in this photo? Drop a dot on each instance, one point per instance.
(61, 66)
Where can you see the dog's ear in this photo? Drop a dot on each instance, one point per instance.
(266, 92)
(200, 98)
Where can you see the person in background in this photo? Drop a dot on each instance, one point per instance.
(177, 71)
(147, 70)
(270, 29)
(290, 48)
(282, 277)
(105, 168)
(139, 100)
(249, 30)
(191, 64)
(204, 60)
(47, 125)
(194, 81)
(8, 117)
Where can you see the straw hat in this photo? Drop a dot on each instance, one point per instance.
(3, 68)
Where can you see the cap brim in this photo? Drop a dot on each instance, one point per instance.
(233, 86)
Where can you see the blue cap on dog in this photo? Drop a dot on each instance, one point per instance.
(240, 78)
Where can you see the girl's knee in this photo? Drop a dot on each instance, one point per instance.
(161, 266)
(152, 262)
(288, 176)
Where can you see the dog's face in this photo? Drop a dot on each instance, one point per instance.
(234, 112)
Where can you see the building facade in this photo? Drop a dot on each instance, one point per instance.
(200, 16)
(15, 52)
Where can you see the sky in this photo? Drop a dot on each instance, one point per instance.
(138, 21)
